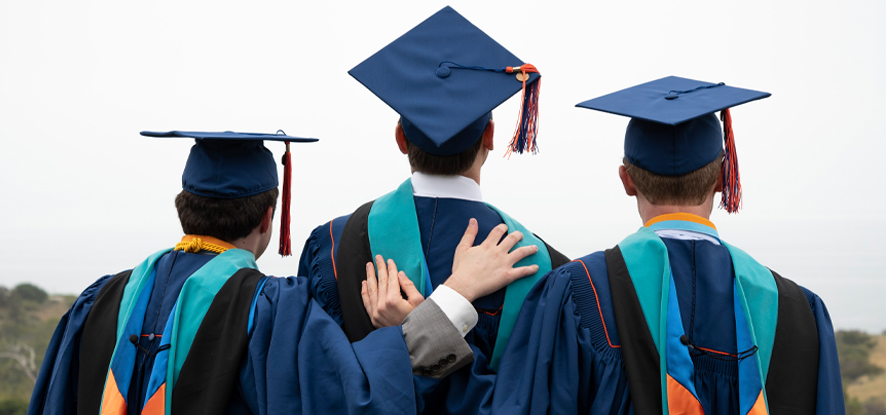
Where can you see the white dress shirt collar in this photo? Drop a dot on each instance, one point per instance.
(452, 187)
(686, 235)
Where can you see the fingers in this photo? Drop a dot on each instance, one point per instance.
(495, 235)
(370, 299)
(393, 284)
(412, 295)
(371, 285)
(382, 276)
(521, 272)
(365, 294)
(522, 252)
(508, 243)
(467, 240)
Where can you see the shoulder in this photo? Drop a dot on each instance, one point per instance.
(94, 288)
(789, 288)
(815, 302)
(591, 292)
(584, 279)
(317, 258)
(327, 232)
(583, 284)
(110, 285)
(272, 288)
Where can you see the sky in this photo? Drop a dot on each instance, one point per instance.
(84, 195)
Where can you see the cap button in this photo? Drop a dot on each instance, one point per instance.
(443, 72)
(671, 96)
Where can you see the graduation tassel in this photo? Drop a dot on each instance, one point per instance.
(285, 243)
(731, 200)
(525, 134)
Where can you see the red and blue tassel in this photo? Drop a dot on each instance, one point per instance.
(731, 191)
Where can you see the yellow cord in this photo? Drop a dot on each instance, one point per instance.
(197, 244)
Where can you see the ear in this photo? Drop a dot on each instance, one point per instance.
(267, 220)
(401, 138)
(719, 186)
(626, 181)
(487, 136)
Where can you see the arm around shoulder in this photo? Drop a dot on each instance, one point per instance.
(436, 348)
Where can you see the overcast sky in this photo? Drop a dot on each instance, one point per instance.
(84, 195)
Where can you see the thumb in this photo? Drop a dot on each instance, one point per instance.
(467, 240)
(412, 295)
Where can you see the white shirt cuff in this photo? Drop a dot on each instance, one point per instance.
(458, 309)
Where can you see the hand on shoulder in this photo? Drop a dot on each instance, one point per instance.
(481, 270)
(477, 271)
(382, 298)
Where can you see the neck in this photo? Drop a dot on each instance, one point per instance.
(251, 243)
(473, 173)
(648, 210)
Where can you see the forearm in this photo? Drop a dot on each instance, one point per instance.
(436, 347)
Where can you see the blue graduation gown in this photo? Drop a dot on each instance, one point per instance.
(297, 357)
(564, 354)
(442, 222)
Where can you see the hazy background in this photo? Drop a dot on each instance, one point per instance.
(84, 195)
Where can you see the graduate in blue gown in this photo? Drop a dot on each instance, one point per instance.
(443, 78)
(673, 319)
(198, 329)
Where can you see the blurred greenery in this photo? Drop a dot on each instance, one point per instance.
(13, 407)
(28, 317)
(854, 349)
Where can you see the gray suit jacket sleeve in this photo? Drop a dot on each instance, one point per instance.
(436, 348)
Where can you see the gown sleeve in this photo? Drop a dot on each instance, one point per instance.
(299, 360)
(559, 358)
(829, 398)
(541, 368)
(318, 265)
(55, 391)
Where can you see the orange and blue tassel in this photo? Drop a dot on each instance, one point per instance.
(526, 132)
(285, 242)
(731, 191)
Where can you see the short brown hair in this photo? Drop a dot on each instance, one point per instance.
(689, 189)
(427, 163)
(225, 219)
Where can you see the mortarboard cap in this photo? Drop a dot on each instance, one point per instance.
(229, 165)
(444, 77)
(673, 130)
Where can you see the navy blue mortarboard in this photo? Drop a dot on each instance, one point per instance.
(229, 165)
(444, 77)
(673, 130)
